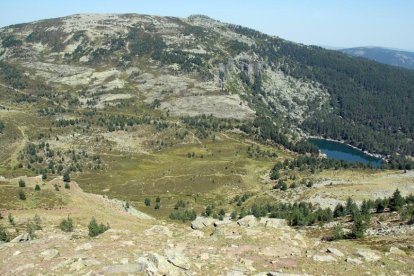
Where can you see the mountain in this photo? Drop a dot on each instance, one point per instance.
(197, 65)
(178, 146)
(393, 57)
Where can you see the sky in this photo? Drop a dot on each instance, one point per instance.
(333, 23)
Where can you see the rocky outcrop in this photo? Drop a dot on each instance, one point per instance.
(201, 222)
(25, 237)
(248, 221)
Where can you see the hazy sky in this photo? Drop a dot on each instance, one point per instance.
(338, 23)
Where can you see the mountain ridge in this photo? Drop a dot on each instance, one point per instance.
(395, 57)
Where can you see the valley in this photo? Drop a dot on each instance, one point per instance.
(187, 139)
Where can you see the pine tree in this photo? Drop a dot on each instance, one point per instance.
(396, 201)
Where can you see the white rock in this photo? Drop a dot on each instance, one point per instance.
(335, 251)
(368, 255)
(49, 254)
(273, 222)
(396, 251)
(248, 221)
(324, 258)
(177, 258)
(353, 261)
(201, 222)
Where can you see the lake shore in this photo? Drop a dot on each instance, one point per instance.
(376, 155)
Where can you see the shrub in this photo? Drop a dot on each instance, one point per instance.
(11, 220)
(66, 225)
(147, 202)
(183, 215)
(96, 229)
(338, 233)
(233, 215)
(22, 195)
(37, 187)
(3, 235)
(37, 222)
(180, 204)
(66, 177)
(22, 184)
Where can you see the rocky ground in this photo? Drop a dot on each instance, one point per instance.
(139, 244)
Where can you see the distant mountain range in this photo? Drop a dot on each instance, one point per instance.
(384, 55)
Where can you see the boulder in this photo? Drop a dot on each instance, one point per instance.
(177, 259)
(324, 258)
(248, 221)
(123, 268)
(49, 254)
(368, 255)
(335, 251)
(396, 251)
(273, 222)
(201, 222)
(159, 230)
(226, 220)
(25, 237)
(353, 261)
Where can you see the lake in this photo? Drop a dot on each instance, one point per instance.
(340, 151)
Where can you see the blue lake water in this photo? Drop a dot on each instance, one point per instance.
(339, 151)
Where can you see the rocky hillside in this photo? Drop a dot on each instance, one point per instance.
(388, 56)
(197, 65)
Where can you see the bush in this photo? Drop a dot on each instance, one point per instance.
(66, 225)
(37, 188)
(3, 235)
(183, 215)
(96, 229)
(22, 195)
(11, 220)
(180, 204)
(147, 202)
(338, 233)
(66, 177)
(22, 184)
(233, 215)
(37, 222)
